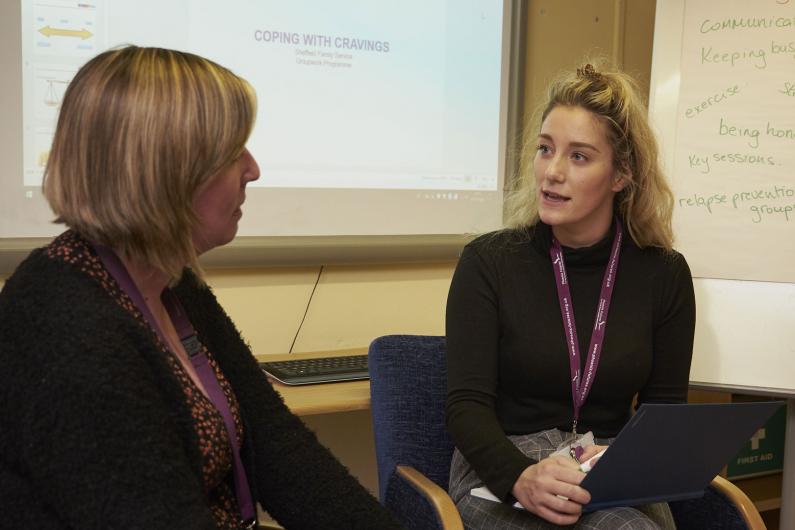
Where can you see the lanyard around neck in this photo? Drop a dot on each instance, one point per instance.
(198, 359)
(580, 387)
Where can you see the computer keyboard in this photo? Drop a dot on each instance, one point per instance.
(318, 370)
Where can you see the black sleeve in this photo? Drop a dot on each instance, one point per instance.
(473, 336)
(675, 322)
(84, 429)
(296, 479)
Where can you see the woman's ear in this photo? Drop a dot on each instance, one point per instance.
(620, 181)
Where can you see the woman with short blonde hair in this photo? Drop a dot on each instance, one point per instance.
(128, 398)
(139, 131)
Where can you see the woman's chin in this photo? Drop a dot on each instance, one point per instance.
(550, 218)
(206, 244)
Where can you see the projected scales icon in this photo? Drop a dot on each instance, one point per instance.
(63, 34)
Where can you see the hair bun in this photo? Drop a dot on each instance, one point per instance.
(588, 72)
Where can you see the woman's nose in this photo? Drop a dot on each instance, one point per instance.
(555, 169)
(251, 172)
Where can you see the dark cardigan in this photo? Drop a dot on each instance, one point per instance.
(95, 433)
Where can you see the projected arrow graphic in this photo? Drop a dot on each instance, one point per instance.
(59, 32)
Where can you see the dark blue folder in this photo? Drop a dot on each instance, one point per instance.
(672, 452)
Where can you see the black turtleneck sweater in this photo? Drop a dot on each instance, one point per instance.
(508, 368)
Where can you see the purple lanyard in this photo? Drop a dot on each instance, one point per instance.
(198, 359)
(580, 389)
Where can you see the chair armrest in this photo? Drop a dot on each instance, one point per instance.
(439, 499)
(741, 501)
(419, 503)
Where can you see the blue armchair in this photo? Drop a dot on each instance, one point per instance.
(723, 505)
(408, 387)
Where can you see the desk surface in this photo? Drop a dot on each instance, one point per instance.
(324, 398)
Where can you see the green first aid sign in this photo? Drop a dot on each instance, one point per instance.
(764, 452)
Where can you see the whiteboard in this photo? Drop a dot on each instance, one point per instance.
(745, 329)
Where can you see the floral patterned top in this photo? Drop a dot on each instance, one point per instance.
(209, 424)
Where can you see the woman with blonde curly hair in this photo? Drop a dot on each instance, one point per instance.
(128, 398)
(555, 324)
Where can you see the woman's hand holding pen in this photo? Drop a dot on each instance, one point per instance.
(550, 489)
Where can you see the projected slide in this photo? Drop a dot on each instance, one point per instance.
(352, 94)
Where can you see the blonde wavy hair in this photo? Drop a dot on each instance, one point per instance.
(646, 202)
(139, 131)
